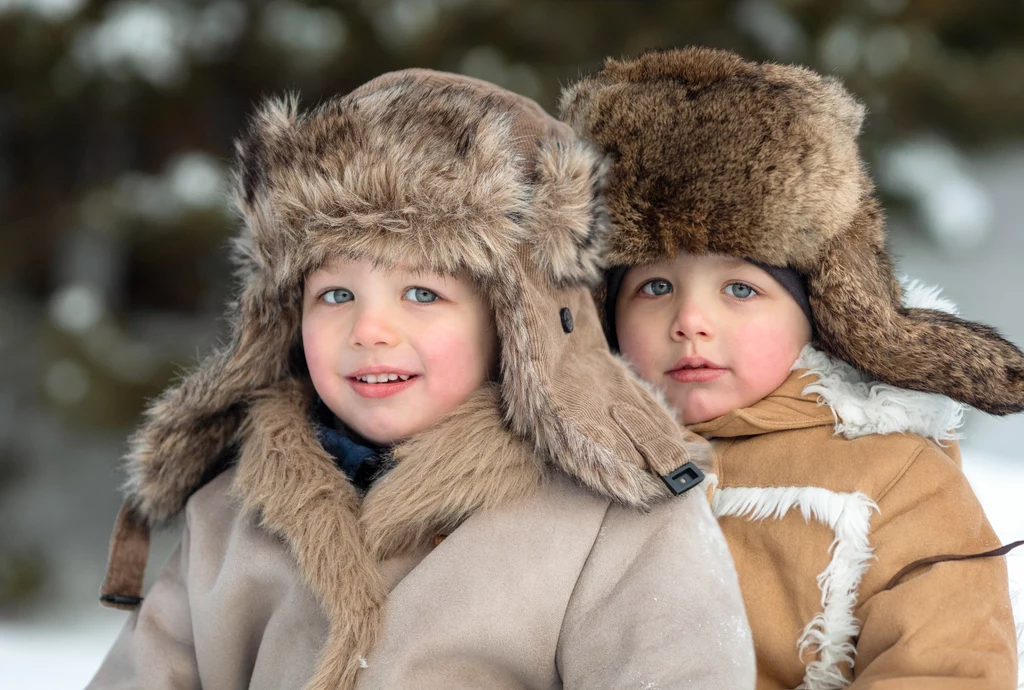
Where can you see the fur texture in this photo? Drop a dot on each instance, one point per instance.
(292, 487)
(712, 153)
(863, 406)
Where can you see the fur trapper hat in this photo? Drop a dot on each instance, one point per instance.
(712, 153)
(442, 173)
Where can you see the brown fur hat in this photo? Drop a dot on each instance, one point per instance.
(712, 153)
(437, 172)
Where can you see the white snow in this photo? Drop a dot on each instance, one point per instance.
(54, 654)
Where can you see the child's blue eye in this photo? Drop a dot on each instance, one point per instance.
(656, 288)
(740, 290)
(421, 295)
(338, 296)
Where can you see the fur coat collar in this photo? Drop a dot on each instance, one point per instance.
(291, 487)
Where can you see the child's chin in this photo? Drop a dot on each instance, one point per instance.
(389, 434)
(697, 413)
(386, 438)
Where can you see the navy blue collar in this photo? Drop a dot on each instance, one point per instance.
(362, 462)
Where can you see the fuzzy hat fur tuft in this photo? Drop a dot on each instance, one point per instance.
(712, 153)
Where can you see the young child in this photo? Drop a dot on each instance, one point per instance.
(753, 288)
(416, 464)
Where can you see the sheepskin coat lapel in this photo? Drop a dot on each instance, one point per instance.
(814, 485)
(291, 486)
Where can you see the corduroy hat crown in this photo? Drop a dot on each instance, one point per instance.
(715, 154)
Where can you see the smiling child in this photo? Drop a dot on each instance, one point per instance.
(416, 464)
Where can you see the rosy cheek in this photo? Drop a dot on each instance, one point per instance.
(769, 352)
(321, 350)
(453, 361)
(638, 350)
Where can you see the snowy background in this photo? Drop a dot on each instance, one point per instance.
(116, 122)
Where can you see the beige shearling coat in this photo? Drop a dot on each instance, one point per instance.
(827, 488)
(547, 585)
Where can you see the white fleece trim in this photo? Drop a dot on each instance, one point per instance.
(920, 296)
(828, 635)
(863, 406)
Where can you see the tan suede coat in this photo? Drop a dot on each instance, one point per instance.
(544, 584)
(820, 513)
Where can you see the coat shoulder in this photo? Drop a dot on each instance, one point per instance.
(819, 457)
(887, 459)
(213, 502)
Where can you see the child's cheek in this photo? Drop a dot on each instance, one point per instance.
(641, 352)
(453, 362)
(768, 353)
(312, 348)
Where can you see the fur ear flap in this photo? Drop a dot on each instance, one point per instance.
(588, 414)
(918, 349)
(185, 431)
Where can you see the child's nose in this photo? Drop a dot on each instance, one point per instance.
(692, 322)
(372, 328)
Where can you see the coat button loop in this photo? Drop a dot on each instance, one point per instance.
(566, 319)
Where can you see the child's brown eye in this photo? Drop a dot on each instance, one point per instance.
(739, 290)
(656, 287)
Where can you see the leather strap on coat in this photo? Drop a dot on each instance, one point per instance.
(126, 565)
(930, 560)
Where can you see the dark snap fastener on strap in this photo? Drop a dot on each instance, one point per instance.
(682, 479)
(121, 599)
(566, 319)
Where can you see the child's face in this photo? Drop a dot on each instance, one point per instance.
(430, 337)
(714, 333)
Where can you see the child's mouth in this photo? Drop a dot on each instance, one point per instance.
(696, 374)
(381, 385)
(695, 370)
(382, 378)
